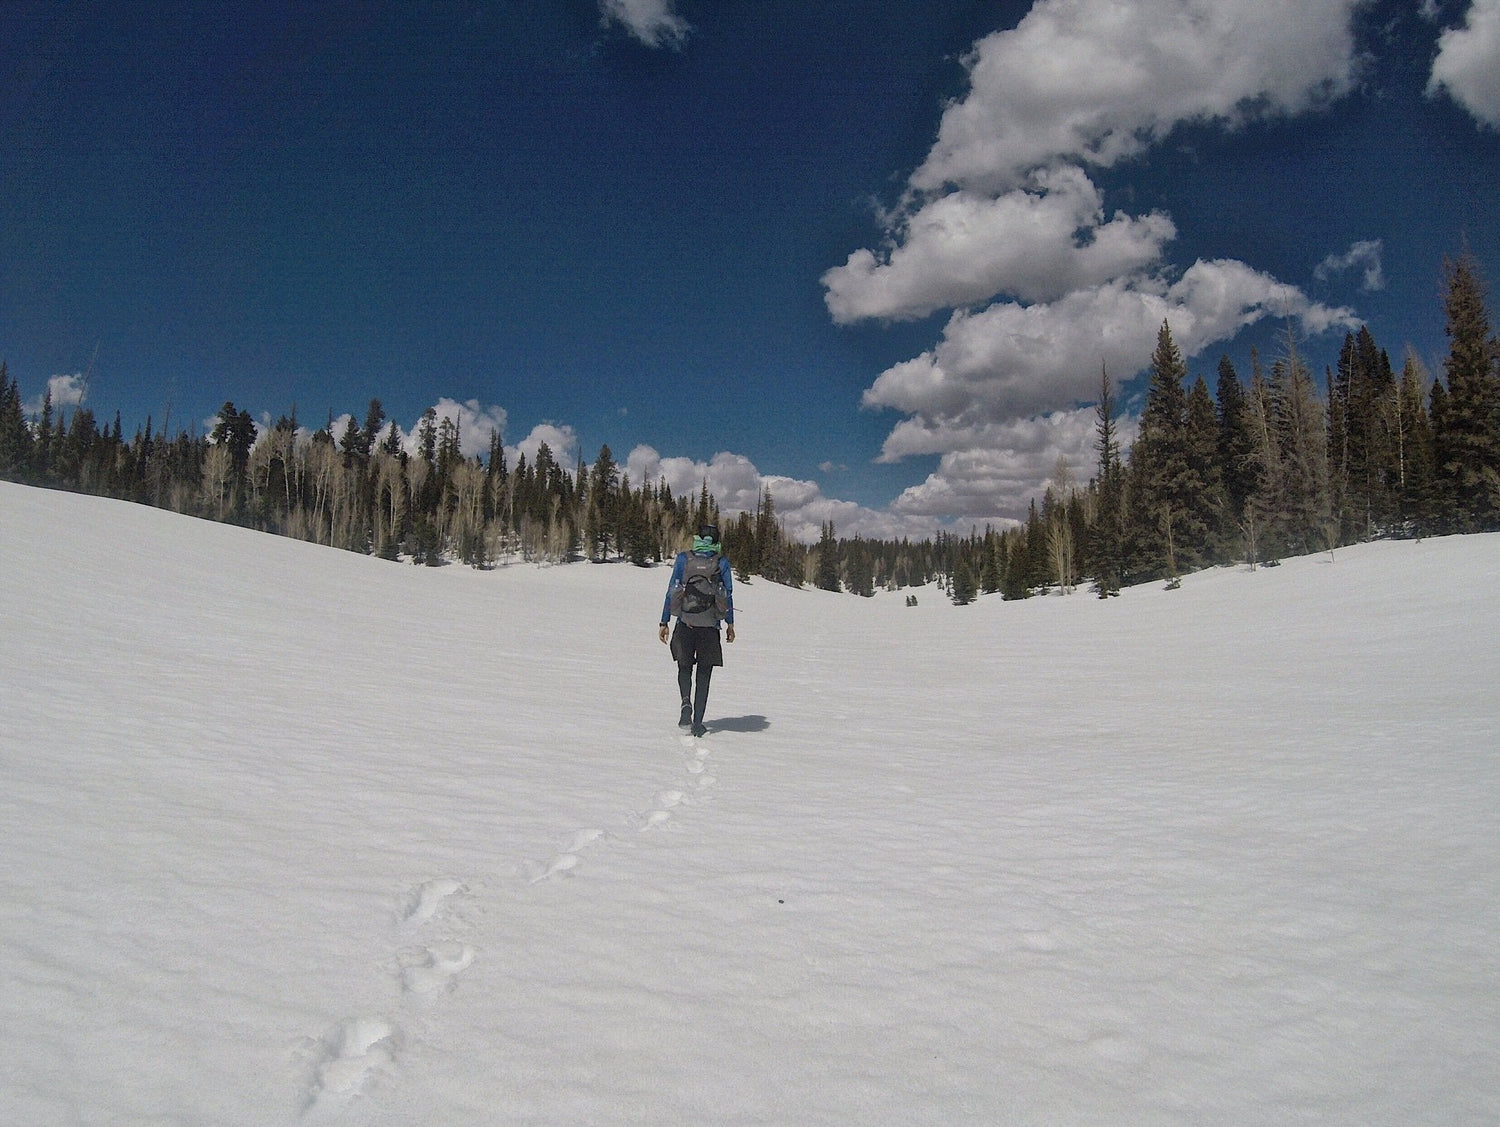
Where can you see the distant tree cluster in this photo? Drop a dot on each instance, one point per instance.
(1253, 472)
(361, 491)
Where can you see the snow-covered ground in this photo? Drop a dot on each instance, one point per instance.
(292, 835)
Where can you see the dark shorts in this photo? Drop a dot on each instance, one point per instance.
(697, 645)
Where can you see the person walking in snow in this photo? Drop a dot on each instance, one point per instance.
(701, 595)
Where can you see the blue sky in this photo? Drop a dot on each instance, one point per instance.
(870, 253)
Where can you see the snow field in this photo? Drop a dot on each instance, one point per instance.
(292, 835)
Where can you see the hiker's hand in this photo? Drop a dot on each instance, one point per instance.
(661, 632)
(729, 633)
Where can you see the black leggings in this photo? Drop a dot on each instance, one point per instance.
(686, 689)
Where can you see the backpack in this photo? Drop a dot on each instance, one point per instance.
(700, 601)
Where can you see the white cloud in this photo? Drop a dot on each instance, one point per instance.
(994, 476)
(1034, 243)
(1363, 255)
(732, 478)
(1013, 361)
(737, 485)
(561, 440)
(476, 425)
(654, 22)
(336, 426)
(1099, 80)
(1468, 63)
(66, 391)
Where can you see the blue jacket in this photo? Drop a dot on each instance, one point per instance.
(725, 575)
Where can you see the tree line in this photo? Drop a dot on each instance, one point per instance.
(1259, 469)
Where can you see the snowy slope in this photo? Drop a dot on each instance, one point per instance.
(292, 835)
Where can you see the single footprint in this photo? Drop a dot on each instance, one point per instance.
(423, 901)
(562, 865)
(567, 855)
(433, 968)
(655, 819)
(351, 1052)
(582, 840)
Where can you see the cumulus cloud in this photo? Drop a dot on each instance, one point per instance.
(1033, 243)
(1468, 63)
(1363, 255)
(801, 506)
(66, 391)
(1015, 361)
(732, 478)
(1003, 224)
(1100, 80)
(993, 477)
(561, 440)
(653, 22)
(476, 424)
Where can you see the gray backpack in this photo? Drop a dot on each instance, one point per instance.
(700, 600)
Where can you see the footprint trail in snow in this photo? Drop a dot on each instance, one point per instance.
(352, 1056)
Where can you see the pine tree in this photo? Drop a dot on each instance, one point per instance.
(1014, 584)
(1106, 546)
(1301, 434)
(602, 518)
(15, 436)
(44, 439)
(1360, 446)
(1037, 567)
(1265, 505)
(964, 590)
(1235, 446)
(992, 566)
(741, 548)
(1204, 505)
(1467, 429)
(374, 420)
(1166, 528)
(1413, 436)
(767, 537)
(860, 568)
(827, 577)
(704, 507)
(235, 432)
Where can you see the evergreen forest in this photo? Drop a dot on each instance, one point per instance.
(1266, 464)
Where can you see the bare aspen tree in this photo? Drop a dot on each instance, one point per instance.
(1061, 548)
(1060, 551)
(391, 484)
(217, 467)
(468, 512)
(321, 458)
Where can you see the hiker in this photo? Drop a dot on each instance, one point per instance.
(700, 594)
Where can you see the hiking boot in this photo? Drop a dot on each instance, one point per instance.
(699, 730)
(686, 720)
